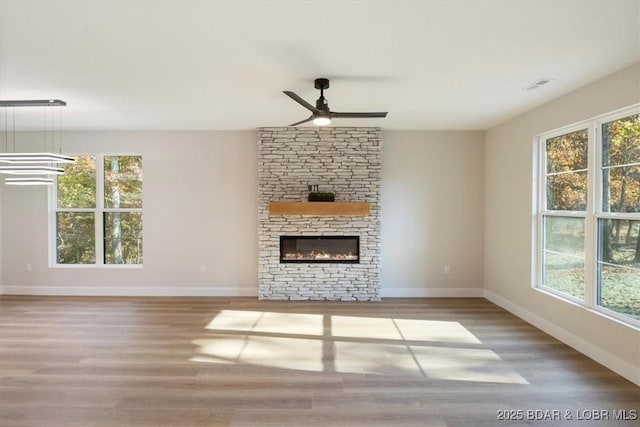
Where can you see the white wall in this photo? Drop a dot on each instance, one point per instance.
(200, 207)
(432, 213)
(200, 204)
(508, 224)
(1, 234)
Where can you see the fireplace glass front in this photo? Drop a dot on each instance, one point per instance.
(312, 249)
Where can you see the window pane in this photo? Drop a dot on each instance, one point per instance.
(123, 238)
(77, 187)
(123, 181)
(621, 141)
(618, 242)
(620, 289)
(563, 263)
(75, 235)
(567, 192)
(564, 273)
(619, 265)
(568, 152)
(621, 189)
(564, 235)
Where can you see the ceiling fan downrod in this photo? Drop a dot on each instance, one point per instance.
(322, 103)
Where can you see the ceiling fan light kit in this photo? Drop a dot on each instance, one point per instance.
(322, 120)
(321, 115)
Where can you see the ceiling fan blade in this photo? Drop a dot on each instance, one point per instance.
(357, 115)
(302, 121)
(300, 101)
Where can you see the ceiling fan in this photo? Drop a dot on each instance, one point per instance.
(321, 114)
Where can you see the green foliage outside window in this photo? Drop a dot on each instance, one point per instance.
(77, 187)
(76, 238)
(119, 214)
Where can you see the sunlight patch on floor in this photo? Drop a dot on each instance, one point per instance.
(352, 344)
(435, 331)
(367, 358)
(268, 322)
(225, 349)
(364, 327)
(272, 352)
(465, 364)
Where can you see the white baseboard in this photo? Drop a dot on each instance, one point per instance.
(138, 291)
(431, 293)
(625, 369)
(142, 291)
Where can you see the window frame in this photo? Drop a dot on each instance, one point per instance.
(543, 212)
(592, 214)
(98, 211)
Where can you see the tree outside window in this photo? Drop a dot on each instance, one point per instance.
(618, 269)
(98, 215)
(590, 214)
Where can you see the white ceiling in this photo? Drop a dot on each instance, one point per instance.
(143, 65)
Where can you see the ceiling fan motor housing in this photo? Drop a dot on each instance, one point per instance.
(322, 104)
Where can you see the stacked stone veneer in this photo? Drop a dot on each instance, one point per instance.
(346, 161)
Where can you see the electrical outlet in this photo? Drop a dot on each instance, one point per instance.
(447, 269)
(28, 268)
(203, 268)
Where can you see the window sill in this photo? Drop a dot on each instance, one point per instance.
(599, 311)
(96, 266)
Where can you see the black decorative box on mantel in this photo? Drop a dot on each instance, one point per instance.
(321, 197)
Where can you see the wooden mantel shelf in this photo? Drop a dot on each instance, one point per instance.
(319, 208)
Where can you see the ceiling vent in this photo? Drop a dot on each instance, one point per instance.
(537, 84)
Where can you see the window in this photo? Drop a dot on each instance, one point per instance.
(97, 215)
(589, 214)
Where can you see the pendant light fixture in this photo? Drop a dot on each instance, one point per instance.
(31, 170)
(28, 163)
(29, 158)
(28, 181)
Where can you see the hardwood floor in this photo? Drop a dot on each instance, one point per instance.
(79, 361)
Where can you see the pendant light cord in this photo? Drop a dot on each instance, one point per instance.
(6, 134)
(44, 130)
(14, 128)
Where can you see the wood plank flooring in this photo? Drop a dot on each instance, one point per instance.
(81, 361)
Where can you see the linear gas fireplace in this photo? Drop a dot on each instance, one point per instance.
(311, 249)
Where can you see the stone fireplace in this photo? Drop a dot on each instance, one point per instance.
(316, 254)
